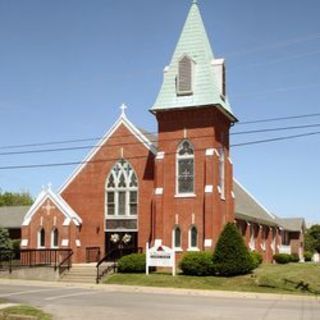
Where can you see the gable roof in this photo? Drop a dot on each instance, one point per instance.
(122, 120)
(195, 44)
(58, 201)
(12, 217)
(249, 208)
(292, 224)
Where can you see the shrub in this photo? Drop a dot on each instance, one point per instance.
(16, 248)
(5, 241)
(295, 257)
(231, 256)
(197, 264)
(133, 263)
(308, 256)
(282, 258)
(256, 259)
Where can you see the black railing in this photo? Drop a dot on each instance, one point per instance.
(6, 260)
(109, 261)
(93, 254)
(33, 258)
(66, 263)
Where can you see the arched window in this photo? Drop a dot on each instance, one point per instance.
(55, 238)
(41, 238)
(184, 78)
(122, 190)
(185, 168)
(193, 238)
(177, 237)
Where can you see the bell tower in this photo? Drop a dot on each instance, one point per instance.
(194, 196)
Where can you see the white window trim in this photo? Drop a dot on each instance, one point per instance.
(52, 239)
(252, 242)
(39, 239)
(116, 190)
(222, 173)
(184, 157)
(190, 247)
(176, 249)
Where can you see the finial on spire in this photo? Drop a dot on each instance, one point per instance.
(194, 1)
(123, 109)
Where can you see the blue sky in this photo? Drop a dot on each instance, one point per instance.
(67, 65)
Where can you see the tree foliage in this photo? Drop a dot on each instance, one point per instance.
(231, 256)
(5, 242)
(15, 199)
(312, 239)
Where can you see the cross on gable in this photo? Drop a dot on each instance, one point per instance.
(48, 207)
(123, 109)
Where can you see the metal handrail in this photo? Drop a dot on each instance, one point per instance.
(68, 259)
(107, 257)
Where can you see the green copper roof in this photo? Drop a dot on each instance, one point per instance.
(194, 43)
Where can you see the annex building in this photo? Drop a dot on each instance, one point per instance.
(176, 186)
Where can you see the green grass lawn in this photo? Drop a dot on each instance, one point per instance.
(268, 278)
(25, 310)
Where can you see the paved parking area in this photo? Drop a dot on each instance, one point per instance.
(85, 302)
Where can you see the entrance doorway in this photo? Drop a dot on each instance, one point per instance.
(119, 244)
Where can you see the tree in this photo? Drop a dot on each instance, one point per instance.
(5, 242)
(15, 199)
(312, 239)
(231, 256)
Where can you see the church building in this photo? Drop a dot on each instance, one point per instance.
(176, 187)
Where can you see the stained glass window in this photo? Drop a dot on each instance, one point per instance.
(55, 238)
(194, 237)
(185, 171)
(41, 238)
(177, 237)
(122, 190)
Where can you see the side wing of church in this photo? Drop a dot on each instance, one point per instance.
(176, 187)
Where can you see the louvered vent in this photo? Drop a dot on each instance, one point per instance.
(184, 83)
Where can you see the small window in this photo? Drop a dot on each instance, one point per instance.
(55, 238)
(193, 237)
(41, 238)
(185, 168)
(184, 79)
(177, 237)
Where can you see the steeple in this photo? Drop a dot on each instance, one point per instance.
(194, 77)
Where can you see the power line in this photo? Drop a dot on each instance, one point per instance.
(57, 142)
(35, 151)
(46, 165)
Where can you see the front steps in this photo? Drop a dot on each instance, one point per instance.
(80, 273)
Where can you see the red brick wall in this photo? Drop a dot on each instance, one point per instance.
(203, 127)
(86, 193)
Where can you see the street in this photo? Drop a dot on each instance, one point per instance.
(80, 302)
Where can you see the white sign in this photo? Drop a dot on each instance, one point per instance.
(160, 256)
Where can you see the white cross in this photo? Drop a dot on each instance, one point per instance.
(48, 207)
(123, 109)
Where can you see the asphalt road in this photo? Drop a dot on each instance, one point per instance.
(92, 303)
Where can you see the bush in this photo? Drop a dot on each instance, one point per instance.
(16, 248)
(282, 258)
(197, 264)
(5, 241)
(308, 256)
(257, 259)
(133, 263)
(295, 257)
(231, 256)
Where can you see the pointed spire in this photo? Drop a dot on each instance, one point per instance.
(193, 43)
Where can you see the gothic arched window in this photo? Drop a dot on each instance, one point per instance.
(177, 237)
(41, 238)
(193, 238)
(55, 238)
(122, 190)
(184, 78)
(185, 168)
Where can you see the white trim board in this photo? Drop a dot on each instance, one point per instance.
(58, 201)
(122, 120)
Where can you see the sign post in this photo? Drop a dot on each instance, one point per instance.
(160, 256)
